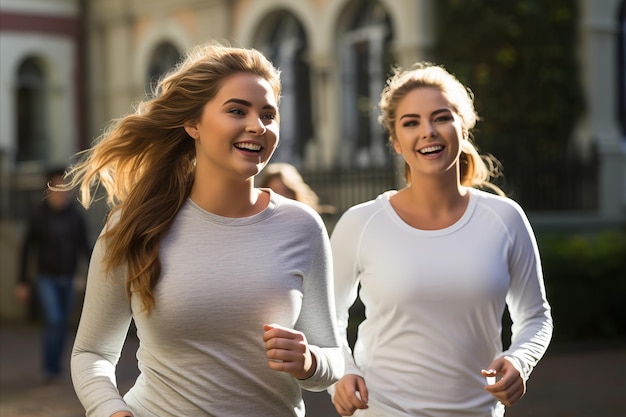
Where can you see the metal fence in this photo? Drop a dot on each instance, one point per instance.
(559, 185)
(556, 184)
(342, 188)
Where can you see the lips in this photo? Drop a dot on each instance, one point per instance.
(249, 146)
(430, 150)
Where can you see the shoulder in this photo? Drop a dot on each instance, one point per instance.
(76, 211)
(508, 210)
(112, 219)
(38, 212)
(361, 213)
(295, 212)
(496, 202)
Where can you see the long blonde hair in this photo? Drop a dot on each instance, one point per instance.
(146, 160)
(476, 170)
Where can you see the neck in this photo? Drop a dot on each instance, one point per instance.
(437, 193)
(431, 205)
(436, 200)
(225, 199)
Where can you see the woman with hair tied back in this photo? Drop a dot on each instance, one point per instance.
(229, 286)
(437, 263)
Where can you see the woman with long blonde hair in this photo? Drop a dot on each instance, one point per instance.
(229, 286)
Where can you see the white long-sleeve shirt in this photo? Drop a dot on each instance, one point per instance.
(201, 349)
(434, 300)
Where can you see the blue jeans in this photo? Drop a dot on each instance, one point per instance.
(56, 295)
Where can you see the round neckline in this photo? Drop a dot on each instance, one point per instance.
(467, 214)
(274, 202)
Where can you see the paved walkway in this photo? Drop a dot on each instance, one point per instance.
(578, 381)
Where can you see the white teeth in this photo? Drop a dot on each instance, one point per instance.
(248, 146)
(430, 149)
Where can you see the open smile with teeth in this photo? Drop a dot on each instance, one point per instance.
(250, 147)
(431, 149)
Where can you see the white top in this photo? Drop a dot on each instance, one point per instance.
(201, 349)
(434, 301)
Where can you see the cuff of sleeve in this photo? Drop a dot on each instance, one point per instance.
(327, 371)
(519, 366)
(317, 365)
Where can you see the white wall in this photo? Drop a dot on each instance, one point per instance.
(59, 58)
(41, 7)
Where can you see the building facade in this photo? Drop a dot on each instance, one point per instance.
(71, 66)
(41, 73)
(42, 114)
(68, 67)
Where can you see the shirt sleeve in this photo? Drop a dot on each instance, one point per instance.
(102, 330)
(317, 319)
(530, 311)
(344, 243)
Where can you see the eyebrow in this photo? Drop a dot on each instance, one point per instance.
(247, 103)
(436, 112)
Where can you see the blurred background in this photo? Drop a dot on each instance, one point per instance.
(549, 79)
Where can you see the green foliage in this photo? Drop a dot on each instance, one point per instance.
(519, 58)
(585, 280)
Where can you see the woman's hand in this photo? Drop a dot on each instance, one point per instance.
(288, 351)
(511, 387)
(350, 394)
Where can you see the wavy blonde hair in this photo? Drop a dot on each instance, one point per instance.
(476, 170)
(146, 160)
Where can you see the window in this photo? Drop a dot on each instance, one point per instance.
(365, 61)
(286, 46)
(32, 135)
(164, 58)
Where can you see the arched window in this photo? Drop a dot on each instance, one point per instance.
(286, 46)
(32, 135)
(164, 58)
(365, 62)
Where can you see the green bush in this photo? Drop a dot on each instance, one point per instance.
(519, 57)
(585, 277)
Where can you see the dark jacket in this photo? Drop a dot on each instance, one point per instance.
(55, 239)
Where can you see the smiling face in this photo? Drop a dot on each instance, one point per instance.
(237, 132)
(428, 132)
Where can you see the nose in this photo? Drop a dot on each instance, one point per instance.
(257, 126)
(428, 130)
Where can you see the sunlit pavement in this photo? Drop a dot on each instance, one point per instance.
(586, 380)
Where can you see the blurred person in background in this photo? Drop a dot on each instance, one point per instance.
(286, 180)
(55, 241)
(438, 261)
(229, 286)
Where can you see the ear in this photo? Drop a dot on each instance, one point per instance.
(396, 146)
(191, 129)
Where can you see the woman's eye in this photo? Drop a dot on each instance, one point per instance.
(409, 123)
(445, 118)
(236, 111)
(269, 116)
